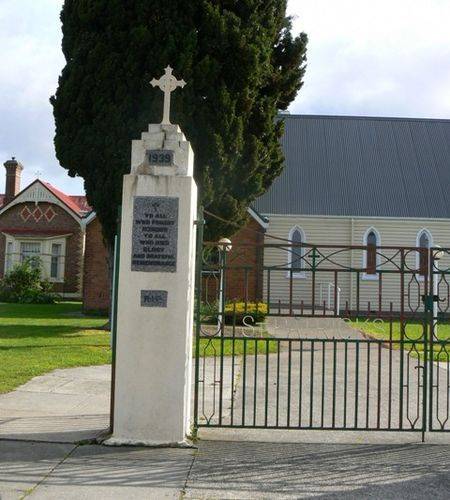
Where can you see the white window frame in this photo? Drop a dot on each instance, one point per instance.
(9, 255)
(301, 274)
(431, 244)
(365, 276)
(59, 256)
(34, 241)
(45, 255)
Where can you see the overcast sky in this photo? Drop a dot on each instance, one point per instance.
(384, 58)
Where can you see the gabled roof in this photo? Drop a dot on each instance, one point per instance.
(76, 203)
(362, 166)
(81, 202)
(260, 219)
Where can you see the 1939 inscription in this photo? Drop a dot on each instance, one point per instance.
(160, 157)
(155, 234)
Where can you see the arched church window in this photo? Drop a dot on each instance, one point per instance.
(423, 243)
(296, 251)
(371, 258)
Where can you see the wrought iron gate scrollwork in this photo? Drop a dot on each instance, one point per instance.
(389, 372)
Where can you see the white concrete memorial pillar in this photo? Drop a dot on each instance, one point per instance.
(156, 289)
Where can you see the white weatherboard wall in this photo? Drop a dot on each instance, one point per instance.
(154, 344)
(321, 230)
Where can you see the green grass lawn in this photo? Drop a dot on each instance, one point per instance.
(413, 336)
(36, 339)
(213, 347)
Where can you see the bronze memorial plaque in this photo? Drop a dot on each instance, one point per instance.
(155, 234)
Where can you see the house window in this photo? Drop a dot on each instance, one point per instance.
(30, 250)
(371, 259)
(296, 252)
(9, 257)
(55, 260)
(423, 243)
(46, 254)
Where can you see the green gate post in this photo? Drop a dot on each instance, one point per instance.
(429, 306)
(402, 334)
(427, 324)
(115, 292)
(198, 296)
(313, 285)
(223, 264)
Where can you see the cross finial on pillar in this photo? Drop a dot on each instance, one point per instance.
(167, 83)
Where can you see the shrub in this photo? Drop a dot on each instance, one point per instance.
(256, 310)
(24, 284)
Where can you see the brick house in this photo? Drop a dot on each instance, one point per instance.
(244, 271)
(42, 221)
(64, 232)
(244, 276)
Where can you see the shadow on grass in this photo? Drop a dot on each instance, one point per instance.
(63, 311)
(10, 310)
(47, 331)
(49, 346)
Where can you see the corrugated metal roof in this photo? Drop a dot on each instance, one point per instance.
(362, 166)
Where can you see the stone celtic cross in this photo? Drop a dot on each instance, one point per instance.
(167, 83)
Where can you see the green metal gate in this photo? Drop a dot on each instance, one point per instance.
(385, 369)
(438, 306)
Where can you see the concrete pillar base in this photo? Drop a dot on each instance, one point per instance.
(113, 441)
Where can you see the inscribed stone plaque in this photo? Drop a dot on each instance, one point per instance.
(153, 298)
(155, 234)
(160, 157)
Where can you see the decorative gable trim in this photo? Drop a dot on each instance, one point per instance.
(87, 219)
(262, 221)
(36, 193)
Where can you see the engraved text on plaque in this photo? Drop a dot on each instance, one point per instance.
(155, 233)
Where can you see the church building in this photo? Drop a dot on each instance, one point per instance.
(354, 181)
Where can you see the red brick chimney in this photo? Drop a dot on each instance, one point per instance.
(13, 173)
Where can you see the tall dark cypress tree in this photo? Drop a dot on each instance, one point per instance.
(242, 65)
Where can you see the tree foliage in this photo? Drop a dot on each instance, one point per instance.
(242, 65)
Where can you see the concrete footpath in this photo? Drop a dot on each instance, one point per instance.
(220, 469)
(63, 406)
(43, 422)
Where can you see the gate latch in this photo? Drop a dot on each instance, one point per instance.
(428, 301)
